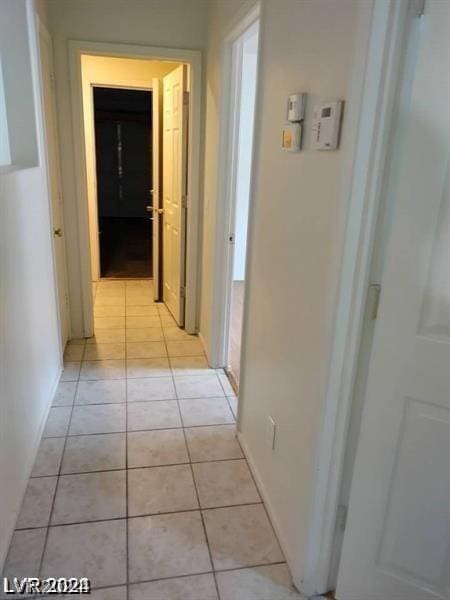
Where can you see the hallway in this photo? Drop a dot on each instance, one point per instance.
(139, 478)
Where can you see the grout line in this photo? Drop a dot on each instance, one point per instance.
(205, 533)
(44, 547)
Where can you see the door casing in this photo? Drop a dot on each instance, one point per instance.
(382, 36)
(191, 58)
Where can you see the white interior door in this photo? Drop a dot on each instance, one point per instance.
(156, 187)
(174, 190)
(51, 132)
(397, 541)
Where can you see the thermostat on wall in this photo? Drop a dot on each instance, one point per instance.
(291, 137)
(296, 107)
(326, 125)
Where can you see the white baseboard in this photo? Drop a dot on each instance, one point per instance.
(266, 500)
(37, 441)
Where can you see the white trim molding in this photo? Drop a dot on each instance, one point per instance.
(194, 60)
(379, 44)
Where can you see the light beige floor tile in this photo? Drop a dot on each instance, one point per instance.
(114, 593)
(213, 443)
(74, 352)
(233, 402)
(225, 483)
(146, 349)
(112, 391)
(98, 418)
(104, 351)
(193, 587)
(157, 447)
(108, 300)
(259, 583)
(145, 334)
(190, 365)
(205, 411)
(86, 453)
(225, 382)
(153, 388)
(113, 310)
(71, 371)
(160, 490)
(49, 457)
(65, 393)
(90, 497)
(138, 322)
(153, 415)
(107, 336)
(241, 536)
(37, 503)
(76, 342)
(168, 321)
(142, 311)
(198, 386)
(147, 367)
(102, 369)
(57, 422)
(163, 310)
(79, 551)
(25, 552)
(186, 348)
(109, 323)
(175, 334)
(167, 546)
(133, 299)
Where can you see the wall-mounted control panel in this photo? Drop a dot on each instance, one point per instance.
(326, 125)
(291, 137)
(296, 108)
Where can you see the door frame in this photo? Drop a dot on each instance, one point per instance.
(226, 186)
(64, 328)
(382, 32)
(192, 58)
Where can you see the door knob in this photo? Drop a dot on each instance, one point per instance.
(57, 231)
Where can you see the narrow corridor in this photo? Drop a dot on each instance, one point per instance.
(140, 483)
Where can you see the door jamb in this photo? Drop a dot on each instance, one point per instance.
(382, 28)
(226, 186)
(194, 60)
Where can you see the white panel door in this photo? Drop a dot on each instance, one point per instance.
(397, 541)
(155, 193)
(51, 135)
(174, 190)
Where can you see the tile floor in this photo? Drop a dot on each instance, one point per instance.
(140, 483)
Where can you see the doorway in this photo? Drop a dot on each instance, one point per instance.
(242, 95)
(164, 206)
(123, 148)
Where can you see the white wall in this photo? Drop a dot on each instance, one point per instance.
(295, 246)
(30, 359)
(246, 115)
(103, 70)
(170, 23)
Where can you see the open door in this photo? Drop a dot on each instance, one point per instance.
(51, 134)
(397, 539)
(155, 192)
(175, 133)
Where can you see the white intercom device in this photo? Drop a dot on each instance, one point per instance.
(296, 108)
(326, 125)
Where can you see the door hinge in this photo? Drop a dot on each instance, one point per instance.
(373, 299)
(182, 291)
(185, 97)
(419, 8)
(341, 517)
(184, 201)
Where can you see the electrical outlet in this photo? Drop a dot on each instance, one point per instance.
(271, 429)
